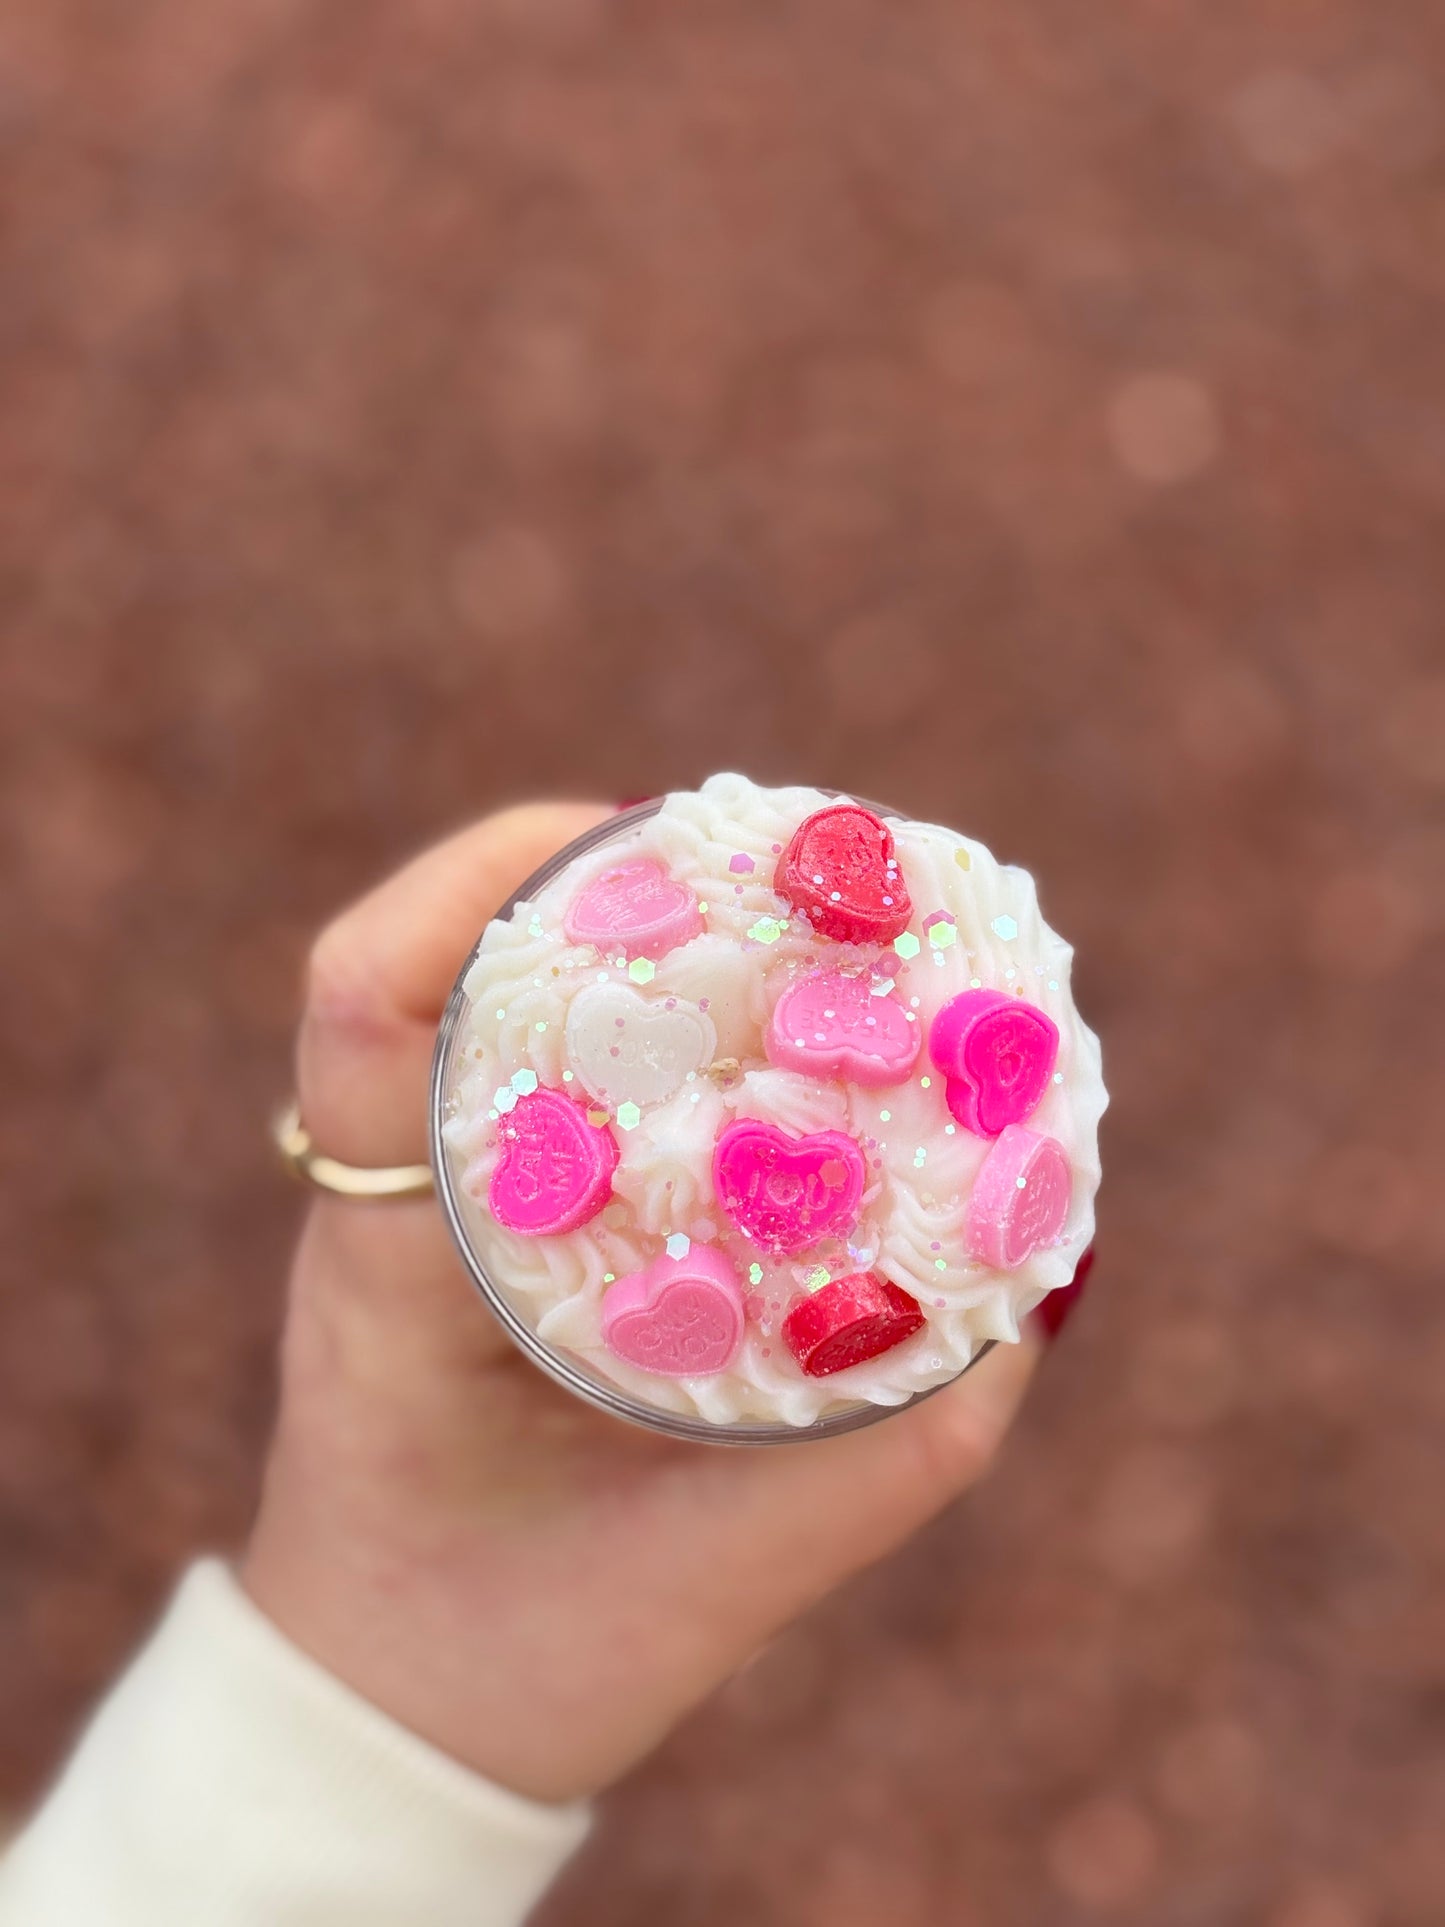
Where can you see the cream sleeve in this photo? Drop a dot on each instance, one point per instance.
(227, 1778)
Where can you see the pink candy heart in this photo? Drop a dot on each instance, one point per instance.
(1020, 1198)
(680, 1316)
(637, 909)
(555, 1170)
(830, 1025)
(997, 1053)
(783, 1192)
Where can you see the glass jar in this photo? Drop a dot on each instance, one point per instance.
(779, 946)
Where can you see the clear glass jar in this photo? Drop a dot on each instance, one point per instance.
(473, 1228)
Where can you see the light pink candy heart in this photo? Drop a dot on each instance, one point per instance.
(831, 1025)
(637, 909)
(682, 1317)
(1020, 1198)
(555, 1169)
(786, 1193)
(997, 1054)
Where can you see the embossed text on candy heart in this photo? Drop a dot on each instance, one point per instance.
(787, 1192)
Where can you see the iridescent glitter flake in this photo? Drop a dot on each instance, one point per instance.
(678, 1245)
(597, 1118)
(766, 930)
(1005, 927)
(741, 864)
(962, 858)
(907, 945)
(534, 928)
(942, 930)
(505, 1098)
(755, 1274)
(524, 1082)
(628, 1116)
(642, 970)
(817, 1278)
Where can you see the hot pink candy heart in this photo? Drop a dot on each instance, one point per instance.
(783, 1192)
(1020, 1198)
(555, 1170)
(831, 1025)
(682, 1317)
(997, 1054)
(636, 908)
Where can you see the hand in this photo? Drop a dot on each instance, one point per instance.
(538, 1589)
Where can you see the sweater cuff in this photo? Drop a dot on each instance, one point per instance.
(229, 1778)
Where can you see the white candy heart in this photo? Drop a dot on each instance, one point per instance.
(627, 1049)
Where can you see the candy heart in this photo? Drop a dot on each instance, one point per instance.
(841, 873)
(1020, 1198)
(637, 909)
(829, 1025)
(680, 1316)
(628, 1050)
(555, 1170)
(997, 1054)
(787, 1192)
(848, 1321)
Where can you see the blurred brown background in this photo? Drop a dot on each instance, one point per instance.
(1032, 415)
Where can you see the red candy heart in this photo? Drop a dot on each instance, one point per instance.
(840, 872)
(848, 1321)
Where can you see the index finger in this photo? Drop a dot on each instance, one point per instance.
(380, 975)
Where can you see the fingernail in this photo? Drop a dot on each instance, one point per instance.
(631, 802)
(1058, 1307)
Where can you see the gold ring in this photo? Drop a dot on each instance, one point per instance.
(392, 1182)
